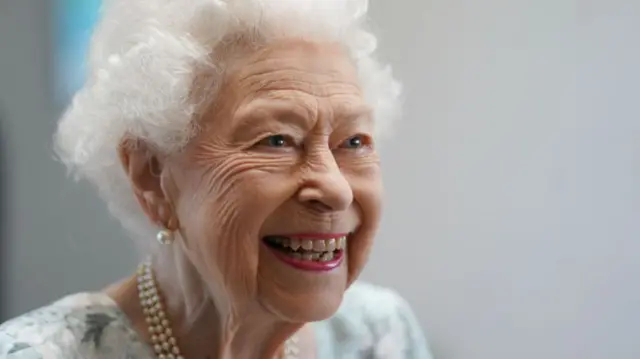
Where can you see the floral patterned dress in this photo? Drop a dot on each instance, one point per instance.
(372, 323)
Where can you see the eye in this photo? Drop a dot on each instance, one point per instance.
(276, 141)
(356, 142)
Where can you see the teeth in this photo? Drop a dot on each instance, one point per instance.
(327, 256)
(330, 244)
(311, 256)
(319, 246)
(307, 244)
(294, 244)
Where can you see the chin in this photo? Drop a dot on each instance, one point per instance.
(300, 296)
(321, 307)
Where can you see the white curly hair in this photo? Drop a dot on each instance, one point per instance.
(146, 56)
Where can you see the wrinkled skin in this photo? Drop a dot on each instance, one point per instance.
(287, 148)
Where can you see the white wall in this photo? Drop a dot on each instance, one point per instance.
(514, 194)
(512, 183)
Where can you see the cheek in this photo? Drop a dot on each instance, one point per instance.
(365, 178)
(368, 196)
(225, 208)
(367, 188)
(252, 186)
(235, 193)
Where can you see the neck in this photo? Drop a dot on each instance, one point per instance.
(228, 337)
(203, 328)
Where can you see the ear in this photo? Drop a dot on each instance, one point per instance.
(144, 168)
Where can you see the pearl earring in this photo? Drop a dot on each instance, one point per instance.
(165, 236)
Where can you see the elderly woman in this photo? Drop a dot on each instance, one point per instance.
(236, 141)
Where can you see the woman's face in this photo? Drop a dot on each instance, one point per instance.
(278, 198)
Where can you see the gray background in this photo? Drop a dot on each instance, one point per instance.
(513, 196)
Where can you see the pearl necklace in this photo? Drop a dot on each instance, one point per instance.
(162, 339)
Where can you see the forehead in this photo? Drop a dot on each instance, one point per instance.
(304, 74)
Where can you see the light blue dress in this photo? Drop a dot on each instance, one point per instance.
(372, 323)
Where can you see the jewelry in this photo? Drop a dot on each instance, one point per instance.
(162, 339)
(165, 236)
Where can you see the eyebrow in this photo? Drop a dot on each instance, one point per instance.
(254, 114)
(354, 113)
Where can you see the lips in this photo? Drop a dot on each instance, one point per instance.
(316, 253)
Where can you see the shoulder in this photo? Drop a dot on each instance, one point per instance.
(376, 322)
(78, 326)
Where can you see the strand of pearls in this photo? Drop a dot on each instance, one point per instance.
(162, 339)
(164, 343)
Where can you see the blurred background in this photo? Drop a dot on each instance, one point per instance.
(513, 199)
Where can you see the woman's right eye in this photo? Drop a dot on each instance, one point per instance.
(276, 141)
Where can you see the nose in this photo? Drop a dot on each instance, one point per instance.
(325, 188)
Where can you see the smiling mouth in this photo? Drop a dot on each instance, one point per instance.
(308, 249)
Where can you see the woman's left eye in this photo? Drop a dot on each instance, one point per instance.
(355, 142)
